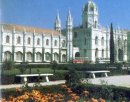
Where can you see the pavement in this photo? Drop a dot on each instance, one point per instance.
(32, 84)
(122, 80)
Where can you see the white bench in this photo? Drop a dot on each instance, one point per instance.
(25, 76)
(92, 73)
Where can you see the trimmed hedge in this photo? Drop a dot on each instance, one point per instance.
(104, 91)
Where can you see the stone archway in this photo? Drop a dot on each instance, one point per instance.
(77, 54)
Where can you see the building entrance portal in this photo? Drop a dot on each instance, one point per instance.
(77, 54)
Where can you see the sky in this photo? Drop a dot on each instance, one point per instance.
(42, 13)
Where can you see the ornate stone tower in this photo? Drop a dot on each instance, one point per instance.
(58, 23)
(90, 15)
(69, 38)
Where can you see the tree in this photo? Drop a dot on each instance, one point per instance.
(54, 66)
(112, 59)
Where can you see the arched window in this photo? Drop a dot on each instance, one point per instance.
(18, 40)
(96, 40)
(7, 39)
(55, 43)
(29, 56)
(91, 7)
(47, 41)
(96, 53)
(38, 41)
(63, 58)
(102, 53)
(19, 56)
(29, 40)
(102, 41)
(38, 56)
(7, 55)
(56, 57)
(48, 56)
(63, 43)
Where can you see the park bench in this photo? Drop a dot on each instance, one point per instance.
(25, 76)
(92, 74)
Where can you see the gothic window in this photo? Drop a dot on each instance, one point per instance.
(75, 34)
(38, 41)
(29, 40)
(96, 53)
(63, 58)
(19, 56)
(91, 8)
(7, 55)
(7, 39)
(47, 41)
(102, 41)
(18, 40)
(63, 43)
(102, 53)
(38, 56)
(96, 40)
(55, 43)
(48, 56)
(56, 57)
(29, 56)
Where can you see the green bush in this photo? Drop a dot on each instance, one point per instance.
(7, 65)
(72, 77)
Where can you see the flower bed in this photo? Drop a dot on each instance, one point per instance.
(60, 93)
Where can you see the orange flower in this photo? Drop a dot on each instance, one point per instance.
(85, 93)
(94, 100)
(102, 100)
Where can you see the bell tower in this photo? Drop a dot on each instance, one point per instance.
(90, 15)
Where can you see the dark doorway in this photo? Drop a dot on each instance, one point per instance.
(77, 54)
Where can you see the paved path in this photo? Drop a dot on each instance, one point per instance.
(31, 84)
(123, 80)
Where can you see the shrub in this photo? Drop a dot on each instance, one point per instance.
(23, 67)
(7, 65)
(72, 77)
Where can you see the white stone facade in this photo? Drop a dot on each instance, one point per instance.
(21, 45)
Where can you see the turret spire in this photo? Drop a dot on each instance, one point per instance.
(69, 38)
(69, 20)
(58, 23)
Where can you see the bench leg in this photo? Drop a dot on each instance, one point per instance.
(106, 75)
(93, 75)
(25, 79)
(47, 79)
